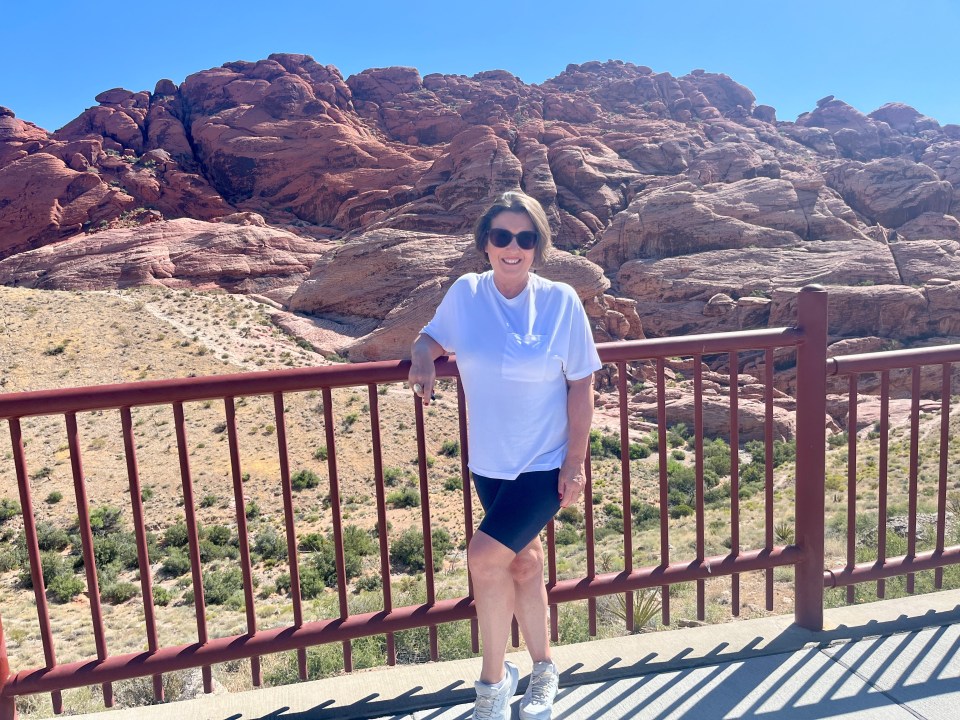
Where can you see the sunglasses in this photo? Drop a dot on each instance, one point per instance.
(526, 239)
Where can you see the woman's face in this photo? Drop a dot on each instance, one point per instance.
(512, 263)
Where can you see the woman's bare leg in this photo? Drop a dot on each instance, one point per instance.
(530, 599)
(493, 590)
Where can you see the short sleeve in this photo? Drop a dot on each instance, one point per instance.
(443, 326)
(582, 356)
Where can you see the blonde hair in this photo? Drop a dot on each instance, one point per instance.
(516, 201)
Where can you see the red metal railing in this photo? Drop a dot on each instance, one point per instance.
(808, 340)
(893, 368)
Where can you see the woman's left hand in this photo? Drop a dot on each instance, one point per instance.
(570, 485)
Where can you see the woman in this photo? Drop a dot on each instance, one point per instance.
(526, 358)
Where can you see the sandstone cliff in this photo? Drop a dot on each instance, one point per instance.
(678, 204)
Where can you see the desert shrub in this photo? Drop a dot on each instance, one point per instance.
(8, 509)
(54, 497)
(644, 513)
(453, 483)
(176, 536)
(252, 510)
(161, 596)
(304, 479)
(219, 535)
(52, 565)
(105, 520)
(209, 501)
(311, 542)
(571, 515)
(63, 588)
(406, 552)
(392, 475)
(679, 511)
(220, 586)
(320, 453)
(270, 545)
(450, 448)
(50, 537)
(368, 583)
(566, 535)
(118, 592)
(119, 548)
(211, 551)
(175, 564)
(404, 497)
(357, 541)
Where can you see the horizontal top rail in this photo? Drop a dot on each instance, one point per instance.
(156, 392)
(892, 359)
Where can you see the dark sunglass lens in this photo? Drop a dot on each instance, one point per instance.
(500, 237)
(527, 239)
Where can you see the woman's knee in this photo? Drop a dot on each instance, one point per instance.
(487, 557)
(528, 564)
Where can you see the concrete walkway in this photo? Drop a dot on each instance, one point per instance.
(895, 659)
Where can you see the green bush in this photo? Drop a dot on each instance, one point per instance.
(8, 509)
(219, 535)
(52, 565)
(404, 498)
(208, 501)
(406, 552)
(118, 592)
(566, 535)
(176, 536)
(369, 583)
(357, 541)
(450, 448)
(453, 483)
(644, 512)
(679, 511)
(221, 586)
(51, 538)
(311, 542)
(176, 563)
(252, 510)
(392, 475)
(63, 588)
(211, 551)
(270, 545)
(54, 497)
(105, 520)
(320, 453)
(571, 515)
(161, 596)
(304, 479)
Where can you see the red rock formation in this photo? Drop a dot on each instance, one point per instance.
(687, 207)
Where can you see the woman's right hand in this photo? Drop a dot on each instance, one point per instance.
(423, 374)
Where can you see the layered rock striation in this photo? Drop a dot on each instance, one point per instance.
(678, 204)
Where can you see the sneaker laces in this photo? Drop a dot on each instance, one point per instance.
(543, 687)
(487, 707)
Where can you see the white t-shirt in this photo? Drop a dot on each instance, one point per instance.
(515, 357)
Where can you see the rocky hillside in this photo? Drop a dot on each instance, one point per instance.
(680, 204)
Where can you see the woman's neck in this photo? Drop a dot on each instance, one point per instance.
(510, 289)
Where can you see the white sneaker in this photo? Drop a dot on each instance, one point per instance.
(493, 701)
(537, 702)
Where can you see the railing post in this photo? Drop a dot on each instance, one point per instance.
(8, 705)
(811, 455)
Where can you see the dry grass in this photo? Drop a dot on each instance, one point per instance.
(63, 339)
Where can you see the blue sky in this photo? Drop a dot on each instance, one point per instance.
(55, 60)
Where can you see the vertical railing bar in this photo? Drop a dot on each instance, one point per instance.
(425, 520)
(243, 540)
(914, 472)
(381, 516)
(698, 467)
(290, 530)
(590, 541)
(734, 364)
(664, 486)
(852, 399)
(86, 543)
(189, 508)
(467, 502)
(944, 453)
(882, 469)
(551, 581)
(33, 553)
(625, 488)
(337, 521)
(140, 532)
(768, 468)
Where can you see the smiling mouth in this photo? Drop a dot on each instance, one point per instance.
(515, 261)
